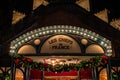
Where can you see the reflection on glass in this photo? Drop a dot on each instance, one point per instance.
(103, 74)
(19, 75)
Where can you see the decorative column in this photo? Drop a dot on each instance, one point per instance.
(94, 74)
(27, 73)
(79, 75)
(109, 69)
(42, 75)
(13, 69)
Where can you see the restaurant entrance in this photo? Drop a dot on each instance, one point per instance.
(61, 68)
(59, 52)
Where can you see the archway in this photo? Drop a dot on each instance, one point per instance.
(60, 29)
(63, 37)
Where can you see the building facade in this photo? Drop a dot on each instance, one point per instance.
(58, 33)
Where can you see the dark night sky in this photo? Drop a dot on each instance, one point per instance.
(97, 5)
(25, 6)
(112, 5)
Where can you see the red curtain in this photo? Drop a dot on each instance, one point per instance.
(61, 76)
(86, 74)
(72, 73)
(35, 74)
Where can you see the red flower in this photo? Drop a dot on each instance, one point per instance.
(105, 61)
(104, 57)
(17, 61)
(45, 65)
(29, 60)
(23, 58)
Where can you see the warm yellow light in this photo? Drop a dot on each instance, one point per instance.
(84, 41)
(53, 61)
(103, 75)
(19, 78)
(61, 62)
(37, 41)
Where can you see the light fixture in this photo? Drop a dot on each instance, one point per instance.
(62, 29)
(37, 41)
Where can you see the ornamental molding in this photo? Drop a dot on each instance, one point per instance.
(84, 4)
(115, 23)
(103, 15)
(60, 29)
(17, 16)
(37, 3)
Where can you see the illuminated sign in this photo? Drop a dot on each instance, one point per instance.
(60, 44)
